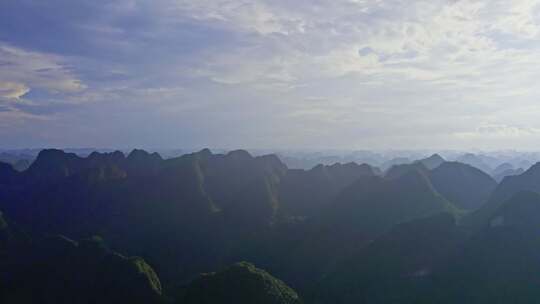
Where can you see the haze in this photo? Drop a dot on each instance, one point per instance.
(266, 74)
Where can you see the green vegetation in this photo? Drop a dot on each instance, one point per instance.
(239, 283)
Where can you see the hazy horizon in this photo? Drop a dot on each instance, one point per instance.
(349, 74)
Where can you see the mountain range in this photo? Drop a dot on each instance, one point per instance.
(222, 228)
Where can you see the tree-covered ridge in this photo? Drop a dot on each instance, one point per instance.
(239, 283)
(58, 270)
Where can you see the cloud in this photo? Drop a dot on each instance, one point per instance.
(438, 41)
(12, 90)
(22, 70)
(383, 72)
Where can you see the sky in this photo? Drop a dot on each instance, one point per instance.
(350, 74)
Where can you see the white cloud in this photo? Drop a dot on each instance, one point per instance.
(22, 70)
(421, 40)
(435, 69)
(13, 90)
(383, 72)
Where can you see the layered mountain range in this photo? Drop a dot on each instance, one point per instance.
(139, 228)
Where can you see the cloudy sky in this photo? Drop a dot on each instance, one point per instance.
(349, 74)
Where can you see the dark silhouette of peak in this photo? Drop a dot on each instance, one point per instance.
(115, 157)
(271, 160)
(320, 168)
(142, 156)
(204, 153)
(49, 157)
(142, 163)
(351, 168)
(463, 185)
(239, 155)
(432, 162)
(419, 180)
(53, 164)
(533, 171)
(399, 170)
(304, 193)
(240, 283)
(372, 205)
(508, 187)
(272, 165)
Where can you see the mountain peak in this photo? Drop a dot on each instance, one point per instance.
(55, 163)
(534, 169)
(55, 155)
(398, 170)
(204, 153)
(433, 161)
(464, 185)
(239, 154)
(272, 161)
(115, 156)
(138, 154)
(142, 156)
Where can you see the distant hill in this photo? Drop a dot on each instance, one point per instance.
(501, 168)
(509, 172)
(395, 161)
(402, 169)
(432, 162)
(372, 205)
(20, 162)
(466, 187)
(510, 185)
(475, 161)
(304, 193)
